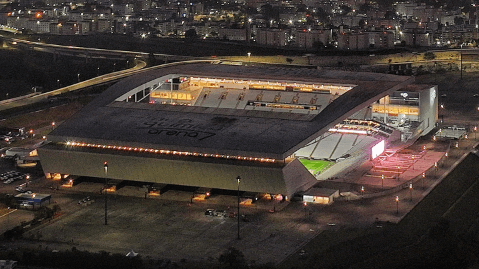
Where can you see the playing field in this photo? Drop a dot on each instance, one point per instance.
(315, 166)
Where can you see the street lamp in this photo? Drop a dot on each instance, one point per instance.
(423, 177)
(238, 179)
(362, 191)
(105, 166)
(382, 181)
(58, 83)
(397, 204)
(8, 218)
(249, 57)
(305, 204)
(53, 125)
(410, 190)
(78, 76)
(435, 169)
(475, 129)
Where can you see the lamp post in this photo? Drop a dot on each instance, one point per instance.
(8, 218)
(58, 83)
(410, 190)
(475, 129)
(397, 204)
(105, 166)
(53, 125)
(305, 204)
(423, 177)
(78, 76)
(382, 181)
(435, 169)
(249, 57)
(238, 178)
(362, 191)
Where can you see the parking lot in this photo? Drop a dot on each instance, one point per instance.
(166, 226)
(174, 226)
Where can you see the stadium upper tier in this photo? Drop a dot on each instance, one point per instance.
(124, 117)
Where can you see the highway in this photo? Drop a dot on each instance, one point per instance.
(106, 78)
(88, 52)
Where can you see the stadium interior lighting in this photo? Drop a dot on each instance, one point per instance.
(174, 152)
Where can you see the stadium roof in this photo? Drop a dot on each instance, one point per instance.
(220, 131)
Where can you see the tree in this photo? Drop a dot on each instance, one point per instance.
(429, 56)
(289, 60)
(233, 258)
(190, 34)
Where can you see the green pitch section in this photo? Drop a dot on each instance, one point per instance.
(316, 166)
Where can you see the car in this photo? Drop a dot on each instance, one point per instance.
(28, 192)
(221, 213)
(20, 189)
(210, 212)
(26, 204)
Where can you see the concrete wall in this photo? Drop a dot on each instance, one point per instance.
(255, 177)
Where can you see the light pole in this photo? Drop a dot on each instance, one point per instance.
(58, 83)
(475, 129)
(362, 191)
(382, 181)
(105, 166)
(53, 125)
(397, 204)
(78, 76)
(238, 178)
(305, 204)
(249, 57)
(423, 177)
(435, 169)
(410, 190)
(8, 218)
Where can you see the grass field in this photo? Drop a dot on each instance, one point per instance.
(315, 166)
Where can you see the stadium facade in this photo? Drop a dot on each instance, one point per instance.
(203, 124)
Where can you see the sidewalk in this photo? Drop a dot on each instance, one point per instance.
(420, 165)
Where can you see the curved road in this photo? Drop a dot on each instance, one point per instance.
(139, 68)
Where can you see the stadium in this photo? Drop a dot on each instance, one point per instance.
(203, 124)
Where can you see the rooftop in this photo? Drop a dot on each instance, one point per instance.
(220, 131)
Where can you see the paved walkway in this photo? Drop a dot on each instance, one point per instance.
(420, 164)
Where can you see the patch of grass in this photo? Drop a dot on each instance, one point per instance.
(316, 166)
